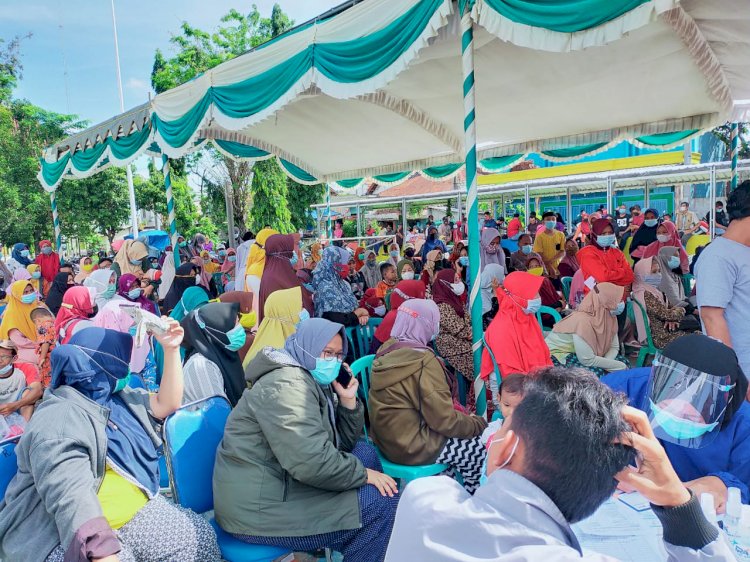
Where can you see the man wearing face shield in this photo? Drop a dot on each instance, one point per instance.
(694, 398)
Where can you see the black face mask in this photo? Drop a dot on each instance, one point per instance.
(95, 311)
(433, 236)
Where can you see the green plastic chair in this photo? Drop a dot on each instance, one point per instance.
(687, 283)
(360, 345)
(649, 348)
(362, 368)
(547, 310)
(566, 282)
(496, 370)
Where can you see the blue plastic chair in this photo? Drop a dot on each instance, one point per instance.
(362, 369)
(8, 463)
(360, 344)
(547, 310)
(566, 282)
(191, 436)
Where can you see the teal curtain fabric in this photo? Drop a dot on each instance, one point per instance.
(297, 173)
(391, 178)
(664, 139)
(499, 162)
(240, 150)
(348, 184)
(178, 132)
(574, 151)
(564, 16)
(437, 172)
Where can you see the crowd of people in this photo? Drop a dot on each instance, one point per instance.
(272, 326)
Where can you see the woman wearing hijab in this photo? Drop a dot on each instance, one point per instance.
(88, 488)
(279, 273)
(35, 275)
(19, 258)
(454, 340)
(130, 258)
(316, 254)
(432, 243)
(666, 237)
(5, 276)
(602, 261)
(569, 264)
(213, 336)
(333, 296)
(671, 281)
(85, 267)
(356, 279)
(256, 262)
(282, 315)
(359, 257)
(17, 325)
(514, 338)
(694, 396)
(229, 270)
(203, 279)
(184, 279)
(370, 270)
(394, 254)
(248, 319)
(78, 307)
(588, 337)
(209, 266)
(63, 281)
(24, 275)
(103, 282)
(287, 435)
(197, 245)
(490, 249)
(491, 278)
(129, 288)
(405, 270)
(412, 419)
(646, 233)
(550, 297)
(404, 291)
(433, 264)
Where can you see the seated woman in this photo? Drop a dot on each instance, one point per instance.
(370, 270)
(184, 280)
(333, 295)
(394, 254)
(602, 261)
(103, 282)
(356, 279)
(432, 265)
(78, 307)
(85, 267)
(404, 291)
(569, 264)
(490, 249)
(694, 395)
(283, 312)
(62, 282)
(405, 270)
(412, 419)
(491, 278)
(213, 367)
(290, 471)
(131, 258)
(129, 288)
(17, 325)
(666, 237)
(519, 257)
(87, 487)
(248, 318)
(35, 277)
(588, 337)
(229, 270)
(514, 336)
(671, 278)
(548, 293)
(279, 272)
(432, 243)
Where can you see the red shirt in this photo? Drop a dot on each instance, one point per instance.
(605, 266)
(514, 227)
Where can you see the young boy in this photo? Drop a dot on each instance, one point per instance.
(390, 278)
(45, 342)
(19, 383)
(510, 395)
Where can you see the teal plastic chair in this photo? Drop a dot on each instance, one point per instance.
(496, 371)
(566, 282)
(687, 283)
(360, 337)
(8, 463)
(649, 348)
(361, 369)
(547, 310)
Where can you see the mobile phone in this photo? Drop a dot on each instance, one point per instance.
(345, 376)
(559, 247)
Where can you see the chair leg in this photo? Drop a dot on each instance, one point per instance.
(329, 555)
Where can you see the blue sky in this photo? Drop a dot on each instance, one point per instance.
(76, 35)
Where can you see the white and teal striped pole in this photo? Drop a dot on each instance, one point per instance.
(470, 148)
(170, 208)
(328, 211)
(734, 140)
(56, 223)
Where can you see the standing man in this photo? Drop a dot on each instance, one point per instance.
(622, 220)
(489, 222)
(686, 222)
(445, 231)
(723, 279)
(550, 244)
(533, 223)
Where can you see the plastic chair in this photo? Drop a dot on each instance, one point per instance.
(566, 281)
(649, 348)
(363, 339)
(8, 463)
(687, 283)
(191, 436)
(496, 370)
(362, 369)
(547, 310)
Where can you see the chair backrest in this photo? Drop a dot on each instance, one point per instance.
(687, 283)
(191, 436)
(566, 281)
(362, 368)
(360, 337)
(495, 366)
(8, 463)
(547, 310)
(632, 304)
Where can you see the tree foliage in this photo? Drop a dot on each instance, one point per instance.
(300, 198)
(270, 196)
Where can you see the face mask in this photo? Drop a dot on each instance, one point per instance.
(683, 208)
(491, 249)
(458, 289)
(197, 278)
(433, 236)
(293, 260)
(88, 267)
(222, 253)
(464, 261)
(232, 258)
(653, 279)
(622, 212)
(550, 225)
(394, 253)
(309, 287)
(110, 292)
(344, 271)
(526, 250)
(36, 275)
(135, 262)
(122, 383)
(617, 311)
(206, 260)
(361, 257)
(719, 209)
(182, 244)
(47, 250)
(379, 310)
(303, 315)
(605, 240)
(134, 294)
(676, 427)
(674, 262)
(237, 338)
(372, 263)
(248, 320)
(483, 477)
(533, 306)
(663, 238)
(650, 222)
(25, 253)
(325, 372)
(407, 275)
(5, 370)
(29, 299)
(536, 271)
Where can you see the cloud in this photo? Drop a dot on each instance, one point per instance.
(28, 14)
(137, 85)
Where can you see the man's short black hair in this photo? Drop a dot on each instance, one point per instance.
(248, 236)
(516, 215)
(384, 267)
(738, 203)
(532, 214)
(487, 213)
(66, 265)
(568, 421)
(549, 214)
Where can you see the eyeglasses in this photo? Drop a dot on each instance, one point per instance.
(330, 356)
(6, 358)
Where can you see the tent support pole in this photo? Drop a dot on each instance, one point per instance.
(329, 229)
(569, 211)
(359, 225)
(470, 147)
(526, 205)
(404, 221)
(170, 208)
(734, 138)
(646, 197)
(712, 199)
(609, 196)
(56, 222)
(229, 200)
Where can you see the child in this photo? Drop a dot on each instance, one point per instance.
(390, 278)
(510, 395)
(46, 340)
(19, 389)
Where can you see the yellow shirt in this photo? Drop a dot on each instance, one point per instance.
(548, 245)
(120, 500)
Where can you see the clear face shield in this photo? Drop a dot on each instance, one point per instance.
(686, 406)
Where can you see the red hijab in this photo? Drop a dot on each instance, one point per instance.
(49, 265)
(405, 290)
(442, 293)
(652, 250)
(77, 304)
(515, 337)
(278, 273)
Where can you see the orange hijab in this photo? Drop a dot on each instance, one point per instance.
(515, 337)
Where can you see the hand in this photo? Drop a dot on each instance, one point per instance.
(712, 485)
(348, 395)
(671, 326)
(172, 338)
(654, 477)
(384, 483)
(364, 319)
(9, 408)
(495, 283)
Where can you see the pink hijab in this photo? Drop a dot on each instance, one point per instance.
(112, 317)
(652, 249)
(640, 288)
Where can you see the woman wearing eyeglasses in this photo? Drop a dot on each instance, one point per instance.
(289, 470)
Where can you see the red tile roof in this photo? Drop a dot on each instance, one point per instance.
(419, 185)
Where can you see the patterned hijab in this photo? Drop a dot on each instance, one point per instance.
(332, 293)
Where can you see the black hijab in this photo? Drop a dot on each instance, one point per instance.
(645, 234)
(57, 292)
(222, 317)
(184, 278)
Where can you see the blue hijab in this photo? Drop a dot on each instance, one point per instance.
(332, 293)
(16, 253)
(430, 244)
(311, 338)
(93, 362)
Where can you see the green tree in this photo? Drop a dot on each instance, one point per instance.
(300, 198)
(270, 197)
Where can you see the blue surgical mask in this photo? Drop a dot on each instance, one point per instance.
(394, 253)
(674, 262)
(122, 383)
(550, 224)
(606, 240)
(237, 338)
(135, 262)
(135, 294)
(325, 372)
(483, 476)
(5, 370)
(232, 258)
(527, 249)
(650, 222)
(533, 306)
(110, 292)
(47, 250)
(25, 253)
(653, 279)
(464, 261)
(36, 275)
(29, 299)
(617, 311)
(293, 260)
(303, 315)
(309, 287)
(677, 427)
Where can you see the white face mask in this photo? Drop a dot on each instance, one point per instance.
(458, 288)
(379, 310)
(663, 238)
(407, 275)
(5, 370)
(198, 279)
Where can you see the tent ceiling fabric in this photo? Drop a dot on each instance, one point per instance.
(377, 89)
